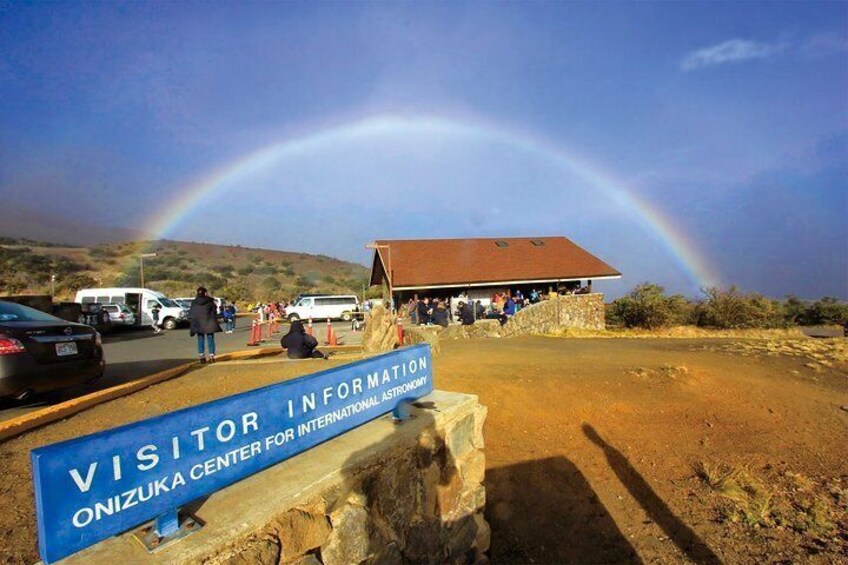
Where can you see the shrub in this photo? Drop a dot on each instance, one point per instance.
(828, 310)
(729, 308)
(647, 306)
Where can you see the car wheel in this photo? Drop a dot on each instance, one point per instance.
(293, 317)
(170, 324)
(346, 316)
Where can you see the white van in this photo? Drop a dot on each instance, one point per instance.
(141, 302)
(323, 306)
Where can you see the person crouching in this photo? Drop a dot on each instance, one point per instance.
(299, 344)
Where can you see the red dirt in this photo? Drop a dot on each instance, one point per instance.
(593, 445)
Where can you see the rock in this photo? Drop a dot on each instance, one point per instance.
(485, 328)
(473, 468)
(300, 530)
(308, 559)
(380, 333)
(423, 334)
(455, 332)
(424, 543)
(449, 493)
(844, 408)
(484, 534)
(263, 550)
(349, 541)
(459, 438)
(461, 535)
(394, 492)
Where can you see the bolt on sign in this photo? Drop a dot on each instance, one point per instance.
(93, 487)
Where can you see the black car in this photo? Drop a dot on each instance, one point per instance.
(41, 353)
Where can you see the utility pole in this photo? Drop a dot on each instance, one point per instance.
(141, 264)
(52, 284)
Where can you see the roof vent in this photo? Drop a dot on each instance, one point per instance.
(501, 243)
(537, 242)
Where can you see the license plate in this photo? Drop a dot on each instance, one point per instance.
(63, 349)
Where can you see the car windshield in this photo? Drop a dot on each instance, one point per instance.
(168, 303)
(11, 312)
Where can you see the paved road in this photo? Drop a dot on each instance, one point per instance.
(137, 353)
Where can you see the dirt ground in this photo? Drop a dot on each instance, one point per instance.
(598, 450)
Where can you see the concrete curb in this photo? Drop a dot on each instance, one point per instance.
(32, 420)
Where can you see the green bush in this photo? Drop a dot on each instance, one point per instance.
(647, 306)
(826, 311)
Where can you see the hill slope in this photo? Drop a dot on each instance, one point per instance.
(234, 272)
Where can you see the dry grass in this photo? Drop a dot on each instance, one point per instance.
(684, 332)
(819, 353)
(751, 498)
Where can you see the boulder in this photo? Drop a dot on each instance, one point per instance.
(380, 333)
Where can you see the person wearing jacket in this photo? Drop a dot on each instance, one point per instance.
(440, 314)
(299, 344)
(203, 323)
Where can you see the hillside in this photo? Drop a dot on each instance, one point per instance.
(234, 272)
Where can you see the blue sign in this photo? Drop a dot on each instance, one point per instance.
(96, 486)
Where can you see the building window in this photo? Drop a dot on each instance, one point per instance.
(501, 243)
(537, 242)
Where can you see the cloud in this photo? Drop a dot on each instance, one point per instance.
(824, 44)
(731, 51)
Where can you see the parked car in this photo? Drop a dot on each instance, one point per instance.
(141, 302)
(95, 316)
(41, 353)
(120, 314)
(323, 306)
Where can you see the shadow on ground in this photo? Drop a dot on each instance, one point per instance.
(571, 526)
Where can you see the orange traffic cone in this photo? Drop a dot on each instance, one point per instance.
(400, 330)
(253, 338)
(331, 340)
(309, 327)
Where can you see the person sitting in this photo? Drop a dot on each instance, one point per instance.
(479, 311)
(466, 314)
(509, 307)
(299, 344)
(424, 312)
(440, 314)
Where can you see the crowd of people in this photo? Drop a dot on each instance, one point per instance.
(441, 311)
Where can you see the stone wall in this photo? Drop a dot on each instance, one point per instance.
(382, 493)
(577, 311)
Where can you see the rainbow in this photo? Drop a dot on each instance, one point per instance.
(650, 218)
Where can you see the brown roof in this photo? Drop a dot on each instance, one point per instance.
(438, 262)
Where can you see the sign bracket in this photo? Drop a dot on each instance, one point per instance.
(167, 529)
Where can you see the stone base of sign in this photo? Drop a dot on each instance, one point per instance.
(383, 493)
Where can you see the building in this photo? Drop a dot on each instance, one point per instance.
(445, 268)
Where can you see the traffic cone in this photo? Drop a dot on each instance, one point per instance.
(329, 329)
(268, 327)
(400, 330)
(253, 341)
(309, 327)
(331, 340)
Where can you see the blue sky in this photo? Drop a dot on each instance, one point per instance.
(728, 119)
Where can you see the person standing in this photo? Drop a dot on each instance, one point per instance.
(154, 314)
(227, 314)
(204, 324)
